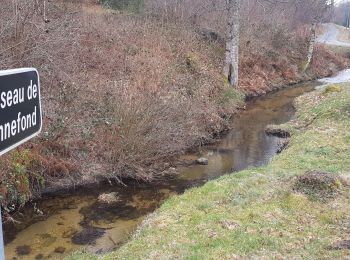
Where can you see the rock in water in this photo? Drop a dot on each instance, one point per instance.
(276, 131)
(60, 250)
(23, 250)
(108, 198)
(202, 161)
(282, 144)
(88, 236)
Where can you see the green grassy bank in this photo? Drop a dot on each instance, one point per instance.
(265, 212)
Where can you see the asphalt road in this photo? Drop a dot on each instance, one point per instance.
(331, 36)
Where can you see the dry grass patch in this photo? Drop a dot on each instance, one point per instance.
(318, 185)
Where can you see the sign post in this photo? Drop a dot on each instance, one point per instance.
(2, 250)
(20, 113)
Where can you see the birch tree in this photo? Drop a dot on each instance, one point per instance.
(317, 10)
(312, 42)
(232, 42)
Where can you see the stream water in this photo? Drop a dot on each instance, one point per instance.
(71, 222)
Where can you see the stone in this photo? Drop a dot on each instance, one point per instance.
(69, 233)
(202, 161)
(87, 236)
(60, 250)
(47, 240)
(108, 198)
(23, 250)
(275, 131)
(282, 144)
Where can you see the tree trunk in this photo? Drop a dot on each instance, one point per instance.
(232, 42)
(348, 22)
(332, 11)
(16, 13)
(311, 47)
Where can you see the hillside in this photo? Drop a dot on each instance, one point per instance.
(126, 92)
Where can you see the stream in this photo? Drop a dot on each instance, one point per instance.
(65, 223)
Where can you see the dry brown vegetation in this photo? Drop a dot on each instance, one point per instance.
(274, 38)
(125, 93)
(122, 94)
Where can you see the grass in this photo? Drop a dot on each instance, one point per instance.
(256, 212)
(344, 34)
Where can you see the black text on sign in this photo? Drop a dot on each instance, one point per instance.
(20, 107)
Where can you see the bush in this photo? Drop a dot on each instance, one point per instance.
(318, 185)
(145, 129)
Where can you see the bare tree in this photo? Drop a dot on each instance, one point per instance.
(310, 52)
(343, 14)
(318, 11)
(232, 42)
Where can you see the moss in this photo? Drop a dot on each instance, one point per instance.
(17, 182)
(192, 63)
(225, 81)
(230, 95)
(332, 88)
(303, 66)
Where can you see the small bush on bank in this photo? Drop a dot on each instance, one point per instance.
(318, 185)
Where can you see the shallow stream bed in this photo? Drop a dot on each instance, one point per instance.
(70, 222)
